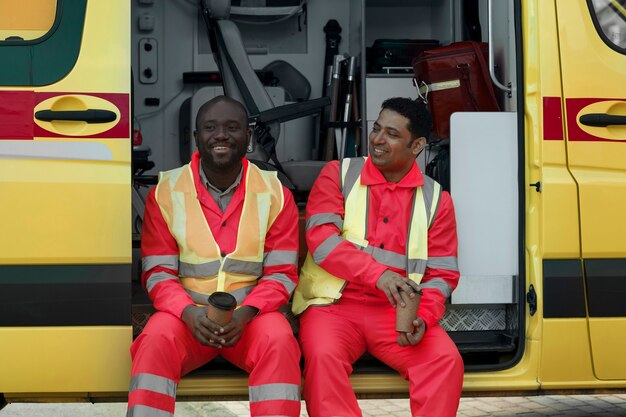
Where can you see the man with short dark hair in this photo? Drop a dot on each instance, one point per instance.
(379, 231)
(218, 224)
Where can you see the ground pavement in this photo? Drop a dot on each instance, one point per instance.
(602, 405)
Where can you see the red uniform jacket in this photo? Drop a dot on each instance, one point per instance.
(387, 227)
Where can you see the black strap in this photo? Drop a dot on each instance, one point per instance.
(217, 44)
(243, 88)
(268, 142)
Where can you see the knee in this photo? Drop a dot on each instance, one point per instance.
(276, 336)
(450, 362)
(319, 353)
(453, 357)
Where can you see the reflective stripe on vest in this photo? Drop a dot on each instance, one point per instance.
(202, 270)
(318, 287)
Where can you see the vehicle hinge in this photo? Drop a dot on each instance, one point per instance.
(531, 298)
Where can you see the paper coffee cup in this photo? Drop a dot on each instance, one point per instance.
(221, 307)
(405, 315)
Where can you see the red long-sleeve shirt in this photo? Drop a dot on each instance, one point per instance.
(157, 241)
(387, 227)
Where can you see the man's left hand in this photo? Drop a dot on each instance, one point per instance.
(234, 330)
(408, 339)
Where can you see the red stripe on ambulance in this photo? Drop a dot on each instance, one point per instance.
(552, 118)
(16, 114)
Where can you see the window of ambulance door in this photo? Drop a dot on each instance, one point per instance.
(40, 38)
(610, 20)
(25, 20)
(592, 41)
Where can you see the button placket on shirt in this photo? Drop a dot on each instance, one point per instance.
(389, 189)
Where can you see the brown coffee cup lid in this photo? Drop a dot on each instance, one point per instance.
(222, 300)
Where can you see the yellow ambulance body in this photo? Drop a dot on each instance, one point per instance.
(66, 243)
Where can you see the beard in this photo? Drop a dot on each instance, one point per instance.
(224, 161)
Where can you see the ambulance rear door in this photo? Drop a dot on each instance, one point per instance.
(65, 223)
(592, 39)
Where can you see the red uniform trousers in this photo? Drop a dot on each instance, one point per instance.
(333, 337)
(166, 350)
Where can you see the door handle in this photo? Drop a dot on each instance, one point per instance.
(89, 115)
(601, 119)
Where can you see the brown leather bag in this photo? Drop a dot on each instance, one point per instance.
(454, 78)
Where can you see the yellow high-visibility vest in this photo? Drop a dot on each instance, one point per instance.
(318, 287)
(202, 269)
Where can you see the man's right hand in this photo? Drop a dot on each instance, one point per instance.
(204, 330)
(392, 283)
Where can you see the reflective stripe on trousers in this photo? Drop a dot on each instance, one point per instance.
(151, 395)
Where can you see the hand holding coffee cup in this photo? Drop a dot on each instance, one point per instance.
(221, 307)
(405, 315)
(408, 339)
(393, 285)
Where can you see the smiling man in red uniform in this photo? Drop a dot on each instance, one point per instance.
(376, 228)
(218, 224)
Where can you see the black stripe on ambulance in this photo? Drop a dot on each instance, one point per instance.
(65, 295)
(574, 288)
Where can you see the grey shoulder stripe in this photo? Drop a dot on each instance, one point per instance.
(437, 205)
(438, 284)
(166, 261)
(428, 190)
(352, 175)
(326, 248)
(324, 218)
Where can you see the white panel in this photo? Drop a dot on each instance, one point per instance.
(484, 187)
(380, 88)
(82, 151)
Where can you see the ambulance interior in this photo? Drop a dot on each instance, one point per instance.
(276, 49)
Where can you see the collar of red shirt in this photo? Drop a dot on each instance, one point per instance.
(372, 176)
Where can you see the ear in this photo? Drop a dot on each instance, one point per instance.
(418, 144)
(195, 138)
